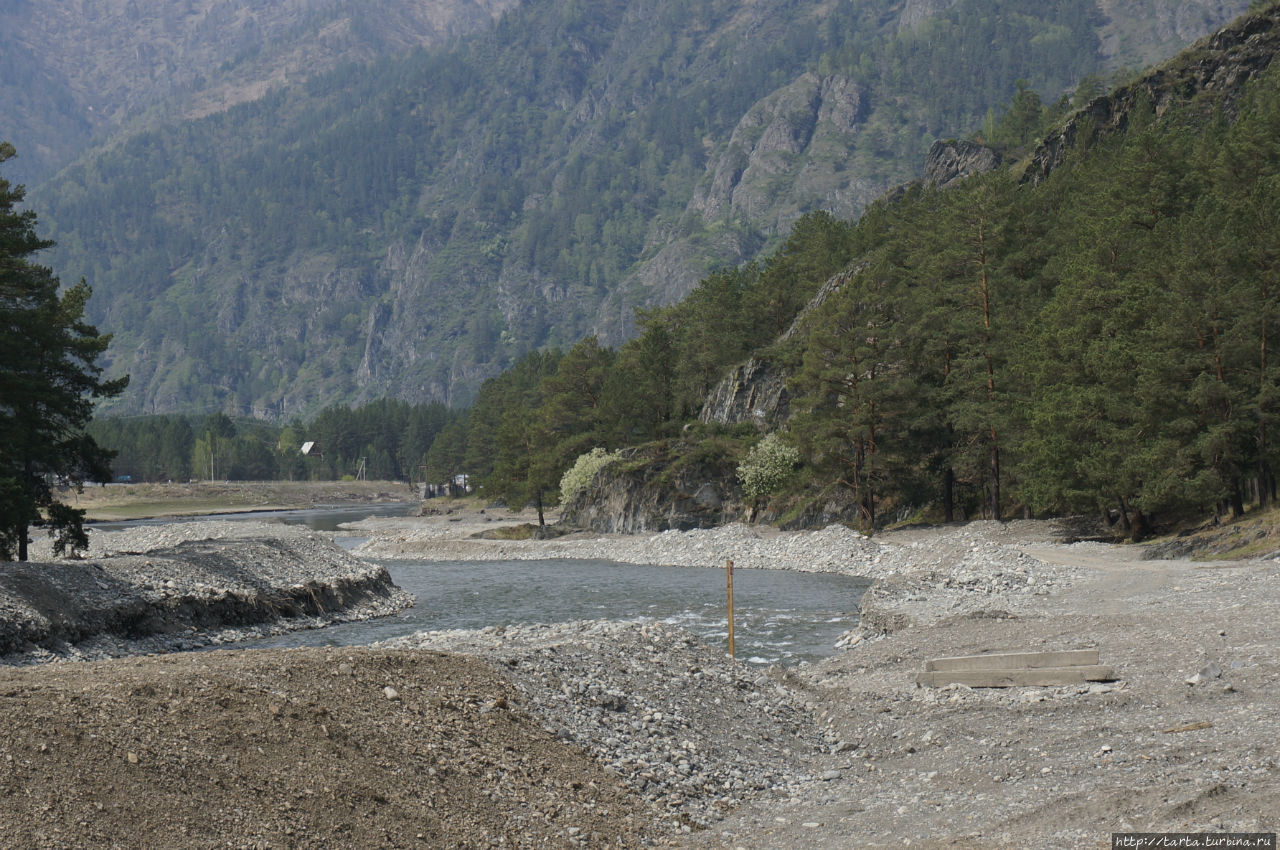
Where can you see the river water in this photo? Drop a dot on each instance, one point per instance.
(780, 616)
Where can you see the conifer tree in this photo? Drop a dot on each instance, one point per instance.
(49, 379)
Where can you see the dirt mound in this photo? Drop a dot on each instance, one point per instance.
(300, 748)
(184, 590)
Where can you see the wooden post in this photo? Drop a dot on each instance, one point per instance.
(728, 569)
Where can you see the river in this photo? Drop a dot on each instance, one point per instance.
(780, 616)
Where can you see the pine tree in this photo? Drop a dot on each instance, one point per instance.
(49, 378)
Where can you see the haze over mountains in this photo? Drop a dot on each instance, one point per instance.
(82, 71)
(284, 205)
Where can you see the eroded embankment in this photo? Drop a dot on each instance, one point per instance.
(173, 593)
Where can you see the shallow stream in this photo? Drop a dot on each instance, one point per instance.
(779, 616)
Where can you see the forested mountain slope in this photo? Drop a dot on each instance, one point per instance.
(1095, 336)
(74, 72)
(410, 226)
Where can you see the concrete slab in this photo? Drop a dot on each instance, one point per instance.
(1014, 660)
(1030, 677)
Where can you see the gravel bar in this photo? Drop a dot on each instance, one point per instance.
(184, 586)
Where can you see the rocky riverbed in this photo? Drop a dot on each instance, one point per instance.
(685, 727)
(1182, 740)
(651, 738)
(163, 588)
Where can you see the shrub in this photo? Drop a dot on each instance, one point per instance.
(767, 466)
(583, 471)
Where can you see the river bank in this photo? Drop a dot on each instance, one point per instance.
(127, 501)
(175, 587)
(692, 749)
(1182, 740)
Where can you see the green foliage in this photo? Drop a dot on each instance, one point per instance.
(150, 448)
(392, 437)
(555, 153)
(49, 380)
(767, 467)
(1100, 341)
(532, 426)
(577, 477)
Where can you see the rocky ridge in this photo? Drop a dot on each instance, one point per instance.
(801, 136)
(1214, 70)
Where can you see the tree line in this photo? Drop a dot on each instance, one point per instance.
(529, 424)
(385, 440)
(1104, 341)
(1099, 342)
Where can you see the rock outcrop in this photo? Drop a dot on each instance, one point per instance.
(951, 160)
(801, 137)
(755, 391)
(656, 488)
(1213, 71)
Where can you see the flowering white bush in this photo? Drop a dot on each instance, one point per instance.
(767, 466)
(584, 469)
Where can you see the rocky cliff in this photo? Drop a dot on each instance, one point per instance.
(659, 487)
(755, 391)
(1213, 72)
(952, 160)
(800, 138)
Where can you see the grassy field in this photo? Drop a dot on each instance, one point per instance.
(138, 501)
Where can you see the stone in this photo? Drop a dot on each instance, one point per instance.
(950, 161)
(1206, 673)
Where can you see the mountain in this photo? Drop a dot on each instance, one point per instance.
(79, 72)
(1083, 325)
(410, 225)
